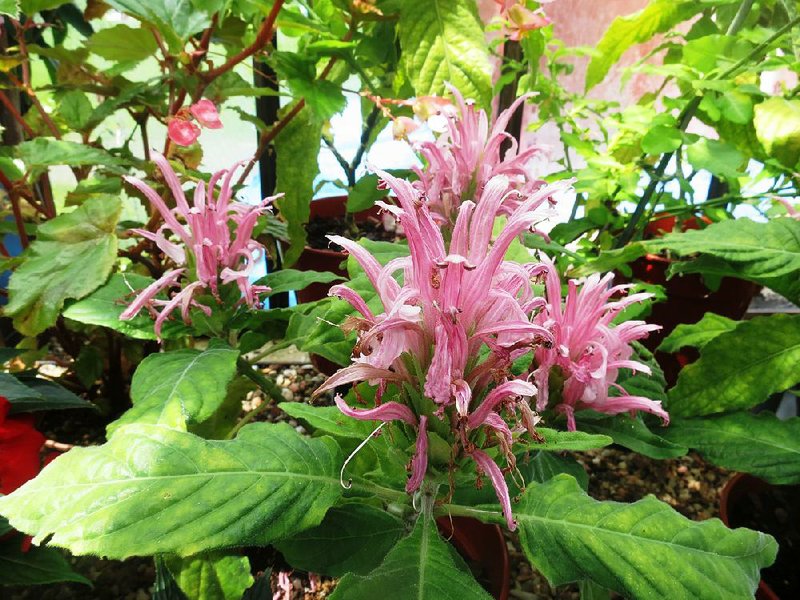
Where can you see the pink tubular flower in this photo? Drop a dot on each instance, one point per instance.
(212, 236)
(462, 161)
(587, 350)
(206, 114)
(182, 132)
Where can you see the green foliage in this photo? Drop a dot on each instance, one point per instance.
(72, 256)
(625, 31)
(639, 550)
(9, 7)
(31, 394)
(420, 566)
(176, 20)
(740, 368)
(759, 444)
(777, 124)
(123, 43)
(630, 432)
(179, 388)
(719, 158)
(34, 567)
(152, 489)
(353, 538)
(297, 147)
(443, 42)
(697, 334)
(543, 466)
(291, 279)
(328, 419)
(575, 441)
(40, 153)
(211, 576)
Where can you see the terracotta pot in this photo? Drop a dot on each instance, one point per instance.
(483, 546)
(327, 259)
(737, 495)
(688, 299)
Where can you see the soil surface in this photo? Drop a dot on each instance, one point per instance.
(688, 484)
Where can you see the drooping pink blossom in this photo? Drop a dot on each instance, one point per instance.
(588, 350)
(182, 131)
(206, 114)
(519, 20)
(210, 241)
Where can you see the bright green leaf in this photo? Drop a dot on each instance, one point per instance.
(123, 43)
(328, 419)
(698, 334)
(422, 566)
(777, 123)
(543, 466)
(152, 489)
(736, 106)
(176, 20)
(759, 444)
(661, 139)
(297, 147)
(640, 550)
(442, 42)
(9, 7)
(211, 575)
(179, 388)
(40, 153)
(576, 441)
(740, 368)
(72, 256)
(353, 538)
(719, 158)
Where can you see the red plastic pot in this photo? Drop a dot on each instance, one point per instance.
(481, 545)
(739, 486)
(688, 299)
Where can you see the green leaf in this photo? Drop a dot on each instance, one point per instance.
(759, 444)
(365, 193)
(661, 139)
(576, 441)
(740, 368)
(736, 106)
(421, 566)
(721, 159)
(32, 394)
(625, 31)
(165, 587)
(40, 153)
(651, 386)
(176, 20)
(75, 108)
(640, 550)
(761, 250)
(211, 575)
(179, 388)
(328, 419)
(297, 147)
(34, 567)
(543, 466)
(152, 489)
(352, 538)
(697, 334)
(777, 123)
(104, 306)
(630, 432)
(442, 42)
(9, 7)
(290, 279)
(71, 257)
(123, 43)
(30, 7)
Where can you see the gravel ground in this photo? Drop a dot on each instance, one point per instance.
(688, 484)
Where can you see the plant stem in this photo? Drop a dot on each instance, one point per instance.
(16, 114)
(741, 15)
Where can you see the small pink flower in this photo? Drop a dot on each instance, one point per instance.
(402, 126)
(182, 132)
(521, 20)
(206, 114)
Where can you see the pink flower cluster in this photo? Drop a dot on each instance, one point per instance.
(211, 245)
(183, 131)
(587, 351)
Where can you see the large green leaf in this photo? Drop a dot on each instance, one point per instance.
(442, 42)
(9, 7)
(353, 538)
(719, 158)
(40, 153)
(420, 567)
(211, 575)
(152, 489)
(625, 31)
(297, 147)
(697, 334)
(641, 550)
(176, 20)
(33, 394)
(328, 419)
(759, 444)
(104, 306)
(576, 441)
(71, 257)
(34, 567)
(630, 432)
(777, 123)
(290, 279)
(179, 388)
(740, 368)
(123, 43)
